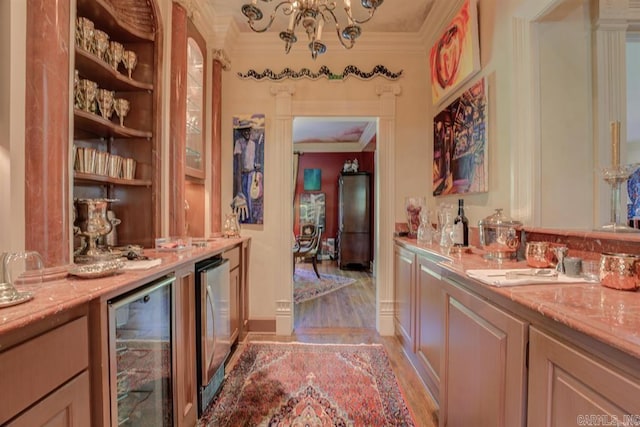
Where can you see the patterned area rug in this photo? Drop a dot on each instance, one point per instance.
(295, 384)
(307, 286)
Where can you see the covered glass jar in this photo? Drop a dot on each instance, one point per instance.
(499, 236)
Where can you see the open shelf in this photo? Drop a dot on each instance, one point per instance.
(90, 178)
(95, 69)
(100, 127)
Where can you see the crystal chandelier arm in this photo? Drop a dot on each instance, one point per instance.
(287, 9)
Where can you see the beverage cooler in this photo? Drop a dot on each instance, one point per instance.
(140, 343)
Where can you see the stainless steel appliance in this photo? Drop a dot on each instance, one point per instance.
(213, 327)
(140, 346)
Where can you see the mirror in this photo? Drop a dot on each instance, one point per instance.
(577, 89)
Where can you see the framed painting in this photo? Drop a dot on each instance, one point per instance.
(312, 179)
(312, 208)
(248, 168)
(460, 156)
(455, 56)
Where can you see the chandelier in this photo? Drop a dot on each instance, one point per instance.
(312, 16)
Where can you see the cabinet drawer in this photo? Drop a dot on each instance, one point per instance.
(233, 255)
(33, 369)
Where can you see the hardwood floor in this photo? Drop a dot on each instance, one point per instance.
(347, 316)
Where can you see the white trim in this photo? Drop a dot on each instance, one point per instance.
(384, 108)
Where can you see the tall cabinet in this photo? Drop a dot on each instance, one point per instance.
(354, 220)
(100, 139)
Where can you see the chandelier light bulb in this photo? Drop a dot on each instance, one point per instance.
(312, 15)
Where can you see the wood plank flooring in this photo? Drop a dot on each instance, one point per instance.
(347, 316)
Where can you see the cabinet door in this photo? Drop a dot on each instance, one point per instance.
(568, 387)
(404, 292)
(484, 363)
(67, 406)
(234, 303)
(185, 351)
(429, 323)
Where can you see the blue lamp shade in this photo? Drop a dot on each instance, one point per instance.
(312, 179)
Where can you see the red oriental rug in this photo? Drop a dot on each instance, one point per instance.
(296, 384)
(307, 286)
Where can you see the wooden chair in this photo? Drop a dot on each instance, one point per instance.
(308, 244)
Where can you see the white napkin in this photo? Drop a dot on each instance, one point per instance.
(498, 278)
(142, 264)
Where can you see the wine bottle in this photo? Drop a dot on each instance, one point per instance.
(460, 234)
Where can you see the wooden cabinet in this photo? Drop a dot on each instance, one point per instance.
(52, 370)
(354, 220)
(484, 363)
(103, 140)
(567, 386)
(429, 338)
(404, 297)
(186, 392)
(187, 127)
(235, 292)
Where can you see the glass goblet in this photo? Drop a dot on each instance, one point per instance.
(85, 29)
(116, 50)
(121, 106)
(105, 102)
(101, 43)
(130, 60)
(89, 90)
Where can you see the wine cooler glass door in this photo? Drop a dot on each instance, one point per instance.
(140, 357)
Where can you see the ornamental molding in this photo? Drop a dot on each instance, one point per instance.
(221, 56)
(323, 72)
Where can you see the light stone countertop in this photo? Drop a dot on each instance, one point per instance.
(608, 315)
(57, 296)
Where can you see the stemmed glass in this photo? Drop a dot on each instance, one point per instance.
(116, 50)
(101, 43)
(89, 91)
(130, 60)
(105, 102)
(121, 106)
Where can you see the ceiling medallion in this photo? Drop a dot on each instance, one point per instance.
(312, 16)
(323, 72)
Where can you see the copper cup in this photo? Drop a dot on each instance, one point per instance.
(539, 254)
(620, 271)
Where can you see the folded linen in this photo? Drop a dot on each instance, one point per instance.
(141, 264)
(499, 278)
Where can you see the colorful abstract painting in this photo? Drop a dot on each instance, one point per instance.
(460, 154)
(312, 179)
(455, 56)
(248, 168)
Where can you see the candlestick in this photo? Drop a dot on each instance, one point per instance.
(615, 143)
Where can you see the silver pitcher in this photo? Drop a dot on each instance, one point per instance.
(111, 239)
(92, 222)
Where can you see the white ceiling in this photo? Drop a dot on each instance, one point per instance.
(316, 134)
(397, 16)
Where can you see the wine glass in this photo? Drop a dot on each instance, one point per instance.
(116, 50)
(89, 90)
(101, 43)
(130, 60)
(121, 106)
(105, 102)
(23, 268)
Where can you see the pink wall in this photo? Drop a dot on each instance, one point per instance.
(331, 166)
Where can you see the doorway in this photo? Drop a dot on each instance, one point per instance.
(342, 295)
(382, 104)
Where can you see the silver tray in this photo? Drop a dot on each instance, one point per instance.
(17, 298)
(99, 269)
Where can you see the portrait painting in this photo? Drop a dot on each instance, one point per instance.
(248, 168)
(460, 155)
(455, 56)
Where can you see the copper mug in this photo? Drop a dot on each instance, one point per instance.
(539, 255)
(620, 271)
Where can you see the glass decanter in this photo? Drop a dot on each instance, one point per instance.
(425, 230)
